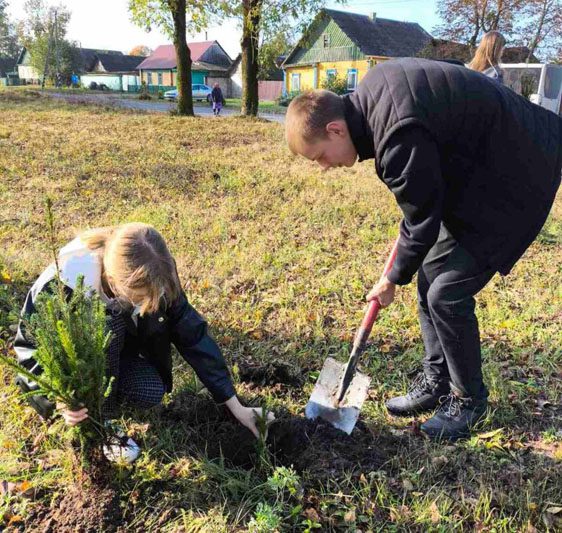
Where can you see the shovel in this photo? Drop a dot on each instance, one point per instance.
(340, 391)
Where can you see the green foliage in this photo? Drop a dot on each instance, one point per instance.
(71, 339)
(264, 462)
(44, 35)
(9, 45)
(336, 84)
(266, 519)
(150, 13)
(284, 479)
(278, 44)
(285, 99)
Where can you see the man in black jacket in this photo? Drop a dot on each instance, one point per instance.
(475, 169)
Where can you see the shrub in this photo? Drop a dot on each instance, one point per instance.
(144, 94)
(286, 99)
(335, 84)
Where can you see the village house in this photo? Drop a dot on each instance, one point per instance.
(210, 64)
(85, 61)
(117, 72)
(347, 45)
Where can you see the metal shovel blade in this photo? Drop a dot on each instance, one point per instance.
(323, 400)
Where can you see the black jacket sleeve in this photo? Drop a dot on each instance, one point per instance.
(190, 337)
(411, 169)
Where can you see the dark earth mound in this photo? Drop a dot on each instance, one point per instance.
(80, 510)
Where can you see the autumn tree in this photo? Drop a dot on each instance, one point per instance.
(466, 21)
(141, 50)
(176, 18)
(535, 24)
(541, 28)
(259, 18)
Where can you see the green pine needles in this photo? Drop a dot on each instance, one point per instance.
(71, 337)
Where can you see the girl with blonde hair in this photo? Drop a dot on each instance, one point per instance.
(488, 55)
(130, 267)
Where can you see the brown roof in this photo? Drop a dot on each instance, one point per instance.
(165, 56)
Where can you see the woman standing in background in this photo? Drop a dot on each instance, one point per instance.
(488, 56)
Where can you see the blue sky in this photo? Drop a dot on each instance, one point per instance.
(106, 24)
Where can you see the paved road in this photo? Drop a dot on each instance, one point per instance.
(157, 106)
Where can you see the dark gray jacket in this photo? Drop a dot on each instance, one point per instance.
(456, 147)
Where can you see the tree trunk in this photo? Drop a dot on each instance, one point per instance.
(536, 39)
(472, 41)
(250, 65)
(183, 57)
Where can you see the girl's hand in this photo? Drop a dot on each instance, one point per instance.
(384, 291)
(247, 415)
(72, 417)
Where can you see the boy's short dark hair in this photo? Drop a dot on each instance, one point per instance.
(308, 114)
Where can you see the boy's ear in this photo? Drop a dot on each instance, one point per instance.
(336, 127)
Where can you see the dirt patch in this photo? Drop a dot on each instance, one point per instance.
(272, 373)
(307, 445)
(82, 509)
(322, 450)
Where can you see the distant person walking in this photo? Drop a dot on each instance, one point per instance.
(217, 99)
(488, 56)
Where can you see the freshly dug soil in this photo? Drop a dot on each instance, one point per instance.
(311, 445)
(80, 510)
(272, 373)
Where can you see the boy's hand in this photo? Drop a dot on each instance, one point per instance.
(72, 418)
(384, 291)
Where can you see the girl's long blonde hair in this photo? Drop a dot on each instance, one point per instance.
(489, 51)
(137, 264)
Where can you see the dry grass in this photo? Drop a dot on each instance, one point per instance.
(279, 256)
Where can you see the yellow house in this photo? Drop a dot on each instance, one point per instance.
(347, 45)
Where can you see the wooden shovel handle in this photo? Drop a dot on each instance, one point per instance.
(374, 305)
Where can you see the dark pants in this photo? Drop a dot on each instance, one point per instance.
(448, 280)
(136, 382)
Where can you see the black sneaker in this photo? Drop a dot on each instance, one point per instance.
(455, 417)
(423, 395)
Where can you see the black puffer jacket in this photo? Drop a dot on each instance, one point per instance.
(458, 148)
(180, 324)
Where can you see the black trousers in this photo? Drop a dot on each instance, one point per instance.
(448, 280)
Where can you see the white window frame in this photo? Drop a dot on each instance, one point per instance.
(331, 72)
(159, 78)
(325, 40)
(352, 71)
(295, 76)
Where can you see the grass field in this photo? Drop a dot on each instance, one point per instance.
(278, 256)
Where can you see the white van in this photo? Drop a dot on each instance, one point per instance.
(540, 83)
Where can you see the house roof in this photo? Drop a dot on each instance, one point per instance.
(518, 54)
(381, 37)
(120, 63)
(88, 56)
(376, 36)
(165, 55)
(7, 64)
